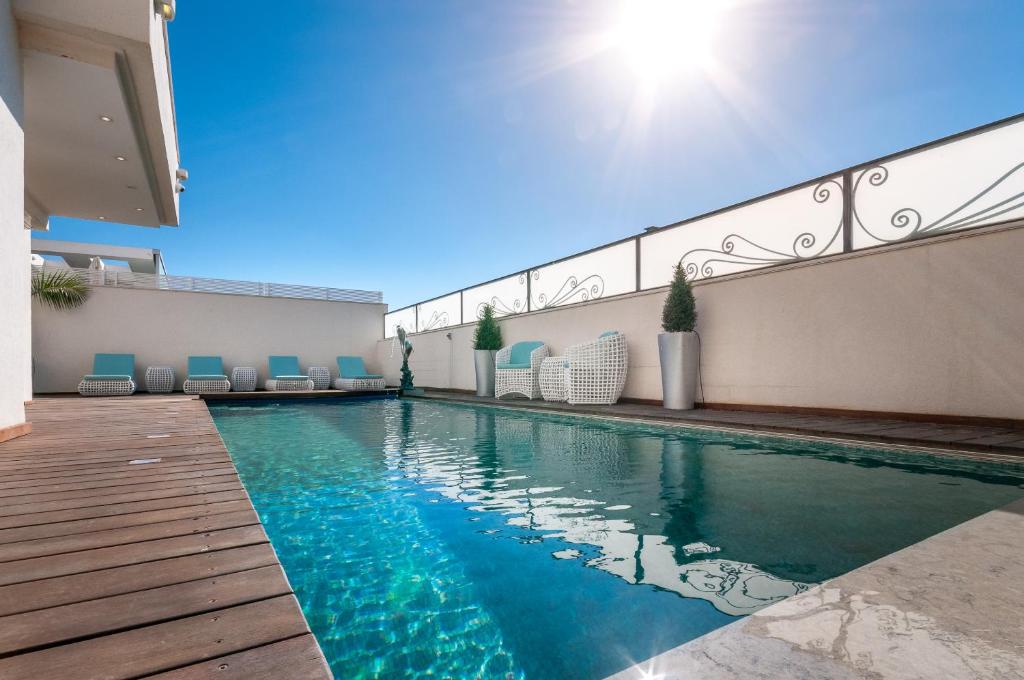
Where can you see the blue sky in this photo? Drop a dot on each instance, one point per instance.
(420, 147)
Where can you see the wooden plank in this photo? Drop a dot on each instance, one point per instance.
(58, 545)
(119, 508)
(49, 506)
(21, 597)
(296, 659)
(94, 492)
(84, 526)
(135, 472)
(163, 646)
(103, 558)
(111, 614)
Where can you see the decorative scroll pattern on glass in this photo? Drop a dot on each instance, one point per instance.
(799, 224)
(609, 271)
(406, 318)
(440, 313)
(507, 296)
(965, 183)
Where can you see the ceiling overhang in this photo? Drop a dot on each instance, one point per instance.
(100, 135)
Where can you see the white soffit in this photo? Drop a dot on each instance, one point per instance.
(71, 155)
(84, 62)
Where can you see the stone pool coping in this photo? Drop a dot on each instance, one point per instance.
(950, 606)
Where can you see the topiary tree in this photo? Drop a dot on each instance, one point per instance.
(488, 333)
(680, 312)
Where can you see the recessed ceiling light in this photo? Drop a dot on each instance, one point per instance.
(138, 210)
(120, 158)
(106, 119)
(102, 217)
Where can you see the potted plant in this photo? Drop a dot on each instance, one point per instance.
(678, 346)
(486, 343)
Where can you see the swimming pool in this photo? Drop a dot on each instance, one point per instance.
(426, 538)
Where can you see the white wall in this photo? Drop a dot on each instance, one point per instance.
(163, 327)
(933, 327)
(15, 310)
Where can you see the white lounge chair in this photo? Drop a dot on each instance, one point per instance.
(112, 375)
(595, 371)
(352, 375)
(285, 374)
(517, 369)
(206, 375)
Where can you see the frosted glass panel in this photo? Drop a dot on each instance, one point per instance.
(507, 296)
(970, 182)
(802, 223)
(609, 271)
(440, 313)
(406, 318)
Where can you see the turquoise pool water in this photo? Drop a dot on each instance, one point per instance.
(441, 540)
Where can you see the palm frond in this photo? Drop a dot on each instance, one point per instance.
(60, 290)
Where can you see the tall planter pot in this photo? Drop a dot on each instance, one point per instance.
(483, 360)
(679, 354)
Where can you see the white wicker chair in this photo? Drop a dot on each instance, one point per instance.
(286, 376)
(206, 375)
(352, 376)
(112, 375)
(596, 370)
(517, 369)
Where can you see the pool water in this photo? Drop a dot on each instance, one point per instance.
(451, 541)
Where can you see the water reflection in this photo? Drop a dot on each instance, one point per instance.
(561, 497)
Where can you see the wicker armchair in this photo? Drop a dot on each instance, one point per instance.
(517, 369)
(596, 370)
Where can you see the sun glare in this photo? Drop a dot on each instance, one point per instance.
(661, 38)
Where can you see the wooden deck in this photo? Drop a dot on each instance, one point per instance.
(129, 548)
(983, 441)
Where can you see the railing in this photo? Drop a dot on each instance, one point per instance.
(116, 278)
(969, 180)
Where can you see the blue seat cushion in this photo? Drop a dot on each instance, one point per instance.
(521, 352)
(291, 377)
(98, 377)
(203, 366)
(518, 365)
(284, 367)
(114, 364)
(352, 368)
(211, 376)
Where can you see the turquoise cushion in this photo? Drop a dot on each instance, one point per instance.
(284, 366)
(351, 367)
(514, 365)
(291, 377)
(93, 378)
(114, 364)
(521, 352)
(205, 366)
(212, 376)
(607, 333)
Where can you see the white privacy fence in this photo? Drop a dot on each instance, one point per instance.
(117, 278)
(972, 179)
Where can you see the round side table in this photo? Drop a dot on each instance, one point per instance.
(552, 379)
(243, 379)
(159, 379)
(321, 377)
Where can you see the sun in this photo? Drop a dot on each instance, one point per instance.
(662, 38)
